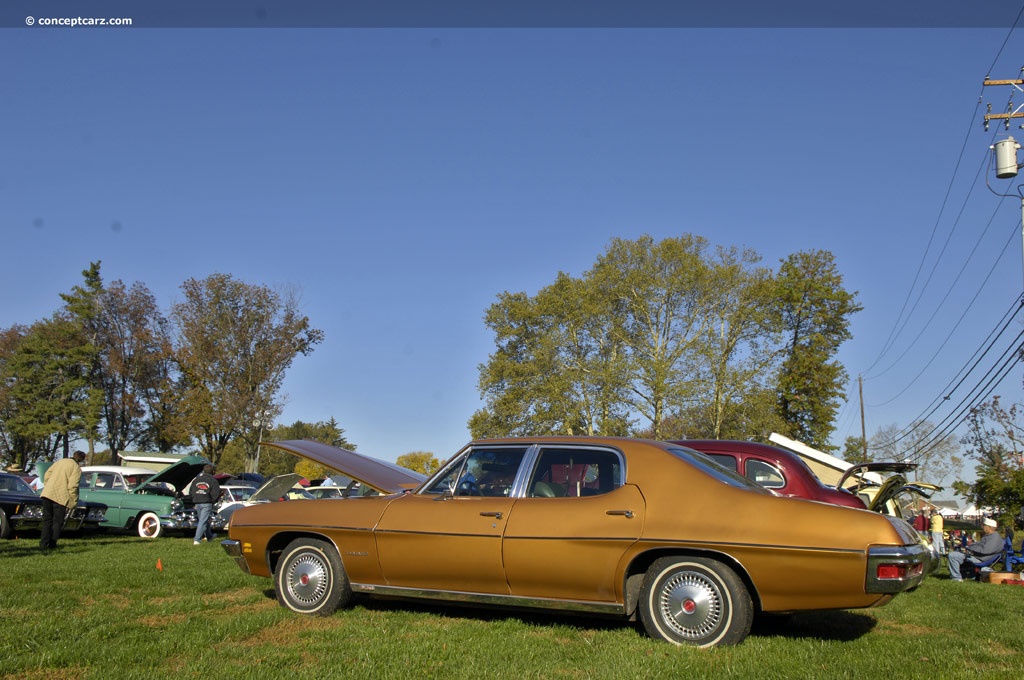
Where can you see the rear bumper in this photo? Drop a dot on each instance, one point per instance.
(894, 569)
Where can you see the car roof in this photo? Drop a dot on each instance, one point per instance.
(745, 447)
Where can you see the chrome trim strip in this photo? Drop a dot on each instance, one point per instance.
(650, 543)
(489, 599)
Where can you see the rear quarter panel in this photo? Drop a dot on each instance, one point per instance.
(798, 554)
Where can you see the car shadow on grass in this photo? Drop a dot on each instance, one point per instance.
(838, 626)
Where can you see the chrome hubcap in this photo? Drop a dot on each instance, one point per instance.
(307, 579)
(690, 605)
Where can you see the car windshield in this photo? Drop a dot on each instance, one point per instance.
(14, 483)
(134, 480)
(708, 466)
(242, 493)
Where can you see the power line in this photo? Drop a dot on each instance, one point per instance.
(958, 380)
(978, 394)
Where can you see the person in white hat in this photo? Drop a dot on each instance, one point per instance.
(990, 545)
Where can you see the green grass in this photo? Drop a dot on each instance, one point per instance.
(100, 608)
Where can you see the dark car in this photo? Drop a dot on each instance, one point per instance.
(782, 471)
(21, 509)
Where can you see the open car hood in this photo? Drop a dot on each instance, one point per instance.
(894, 486)
(376, 474)
(860, 469)
(275, 487)
(178, 475)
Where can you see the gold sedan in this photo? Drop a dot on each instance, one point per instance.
(623, 527)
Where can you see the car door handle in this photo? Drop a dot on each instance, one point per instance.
(495, 515)
(628, 514)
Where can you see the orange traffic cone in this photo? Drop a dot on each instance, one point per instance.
(159, 565)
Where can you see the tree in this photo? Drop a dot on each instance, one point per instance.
(234, 343)
(557, 369)
(735, 360)
(854, 450)
(659, 298)
(48, 394)
(419, 461)
(276, 462)
(995, 440)
(311, 470)
(664, 334)
(814, 311)
(134, 352)
(935, 455)
(16, 449)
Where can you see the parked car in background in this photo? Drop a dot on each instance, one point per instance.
(884, 496)
(623, 527)
(143, 501)
(342, 486)
(786, 473)
(326, 491)
(21, 509)
(782, 471)
(274, 489)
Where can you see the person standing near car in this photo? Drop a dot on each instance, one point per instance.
(205, 492)
(936, 526)
(60, 496)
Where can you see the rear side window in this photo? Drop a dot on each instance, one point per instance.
(575, 472)
(725, 461)
(768, 476)
(711, 467)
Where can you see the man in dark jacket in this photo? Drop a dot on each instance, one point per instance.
(205, 492)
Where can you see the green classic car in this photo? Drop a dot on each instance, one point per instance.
(139, 499)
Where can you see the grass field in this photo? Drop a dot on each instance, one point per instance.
(101, 608)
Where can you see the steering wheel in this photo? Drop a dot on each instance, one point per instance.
(468, 487)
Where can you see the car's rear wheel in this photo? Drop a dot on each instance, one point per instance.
(5, 525)
(310, 578)
(149, 525)
(695, 601)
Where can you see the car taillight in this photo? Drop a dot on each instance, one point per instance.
(891, 571)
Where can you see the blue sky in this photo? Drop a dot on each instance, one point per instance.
(401, 179)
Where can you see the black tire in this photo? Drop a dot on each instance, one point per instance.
(695, 601)
(149, 525)
(6, 531)
(310, 578)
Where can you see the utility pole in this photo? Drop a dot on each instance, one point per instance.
(863, 433)
(1006, 150)
(1011, 112)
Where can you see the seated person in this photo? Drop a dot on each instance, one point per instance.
(991, 544)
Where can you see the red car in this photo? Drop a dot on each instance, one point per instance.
(777, 469)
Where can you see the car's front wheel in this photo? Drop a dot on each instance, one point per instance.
(5, 525)
(696, 601)
(310, 578)
(149, 525)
